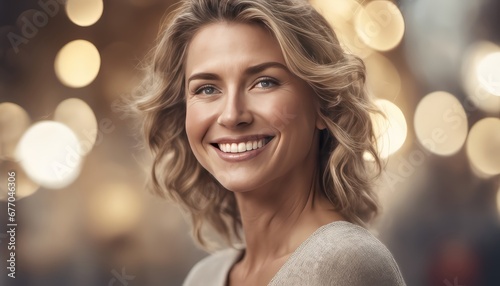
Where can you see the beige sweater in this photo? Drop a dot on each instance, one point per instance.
(339, 253)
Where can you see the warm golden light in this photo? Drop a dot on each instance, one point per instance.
(477, 93)
(390, 131)
(24, 186)
(78, 116)
(113, 209)
(77, 63)
(441, 123)
(13, 122)
(380, 25)
(48, 153)
(351, 43)
(382, 77)
(338, 13)
(341, 15)
(483, 146)
(84, 12)
(488, 73)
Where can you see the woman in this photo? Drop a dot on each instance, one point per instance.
(258, 122)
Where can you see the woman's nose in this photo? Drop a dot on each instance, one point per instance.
(234, 112)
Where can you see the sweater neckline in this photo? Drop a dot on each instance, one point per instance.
(240, 251)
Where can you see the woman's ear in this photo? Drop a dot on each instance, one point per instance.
(320, 123)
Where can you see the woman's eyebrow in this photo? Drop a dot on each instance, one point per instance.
(249, 71)
(203, 75)
(263, 66)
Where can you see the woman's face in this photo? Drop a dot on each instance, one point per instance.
(250, 122)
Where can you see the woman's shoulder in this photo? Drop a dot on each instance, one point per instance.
(342, 253)
(348, 238)
(213, 269)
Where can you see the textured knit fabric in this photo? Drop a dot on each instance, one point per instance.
(339, 253)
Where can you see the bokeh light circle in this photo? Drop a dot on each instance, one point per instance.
(441, 123)
(341, 14)
(390, 129)
(477, 95)
(48, 153)
(380, 25)
(488, 73)
(77, 63)
(78, 116)
(84, 12)
(14, 120)
(24, 185)
(351, 43)
(338, 13)
(483, 146)
(382, 77)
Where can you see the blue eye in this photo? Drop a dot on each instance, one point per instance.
(266, 83)
(207, 90)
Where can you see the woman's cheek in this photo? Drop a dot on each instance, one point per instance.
(282, 112)
(196, 125)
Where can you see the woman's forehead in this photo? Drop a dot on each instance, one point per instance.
(229, 45)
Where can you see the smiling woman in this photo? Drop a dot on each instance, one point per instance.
(258, 122)
(237, 85)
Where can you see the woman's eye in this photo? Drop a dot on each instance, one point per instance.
(207, 90)
(266, 83)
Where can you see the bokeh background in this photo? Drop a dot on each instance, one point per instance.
(85, 218)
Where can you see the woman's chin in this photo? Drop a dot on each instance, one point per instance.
(236, 180)
(237, 186)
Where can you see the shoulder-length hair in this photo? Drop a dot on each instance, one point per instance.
(313, 53)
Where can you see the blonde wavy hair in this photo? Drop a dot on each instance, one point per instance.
(313, 53)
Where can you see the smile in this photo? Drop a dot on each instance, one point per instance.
(242, 147)
(241, 150)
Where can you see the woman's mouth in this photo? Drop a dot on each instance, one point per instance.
(242, 147)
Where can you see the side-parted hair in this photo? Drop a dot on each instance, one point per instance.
(313, 53)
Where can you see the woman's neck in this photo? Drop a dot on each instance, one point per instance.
(276, 220)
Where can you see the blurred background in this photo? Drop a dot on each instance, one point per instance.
(84, 216)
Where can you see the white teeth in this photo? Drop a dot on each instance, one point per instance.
(242, 147)
(234, 148)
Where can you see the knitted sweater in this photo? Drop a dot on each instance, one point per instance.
(339, 253)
